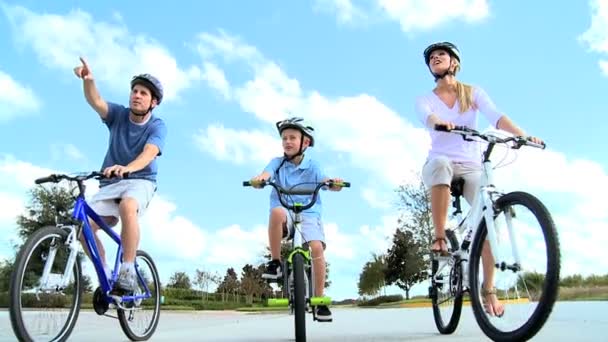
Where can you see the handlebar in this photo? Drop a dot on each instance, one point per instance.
(491, 138)
(298, 208)
(56, 178)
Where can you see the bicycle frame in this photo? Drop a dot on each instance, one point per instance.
(297, 247)
(82, 212)
(483, 208)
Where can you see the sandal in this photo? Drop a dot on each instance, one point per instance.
(488, 307)
(441, 251)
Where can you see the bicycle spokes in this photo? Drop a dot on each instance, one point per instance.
(525, 269)
(43, 305)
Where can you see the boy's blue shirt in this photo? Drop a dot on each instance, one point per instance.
(289, 175)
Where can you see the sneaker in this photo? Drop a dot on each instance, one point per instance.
(273, 270)
(126, 283)
(323, 314)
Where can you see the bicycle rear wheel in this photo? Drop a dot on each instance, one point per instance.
(299, 297)
(446, 288)
(528, 290)
(44, 310)
(140, 320)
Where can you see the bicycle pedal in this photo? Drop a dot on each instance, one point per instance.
(442, 257)
(324, 320)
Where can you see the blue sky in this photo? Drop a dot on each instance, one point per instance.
(231, 69)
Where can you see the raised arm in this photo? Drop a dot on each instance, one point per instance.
(90, 90)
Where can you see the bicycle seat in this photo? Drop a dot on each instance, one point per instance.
(457, 187)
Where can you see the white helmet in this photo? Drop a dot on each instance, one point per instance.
(299, 124)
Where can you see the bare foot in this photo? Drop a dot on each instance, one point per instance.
(491, 304)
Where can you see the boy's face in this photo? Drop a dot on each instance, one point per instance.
(291, 141)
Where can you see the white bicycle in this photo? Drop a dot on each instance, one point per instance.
(524, 245)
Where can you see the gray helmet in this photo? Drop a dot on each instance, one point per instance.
(299, 124)
(150, 82)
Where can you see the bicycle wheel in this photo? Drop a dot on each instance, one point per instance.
(446, 289)
(528, 290)
(44, 310)
(139, 321)
(299, 297)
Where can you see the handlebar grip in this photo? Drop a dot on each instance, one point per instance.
(444, 128)
(346, 184)
(47, 179)
(441, 128)
(246, 183)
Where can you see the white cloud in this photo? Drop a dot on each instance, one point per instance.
(596, 36)
(345, 10)
(376, 199)
(423, 15)
(15, 99)
(339, 245)
(238, 146)
(234, 246)
(113, 52)
(385, 145)
(175, 242)
(371, 134)
(216, 79)
(170, 236)
(63, 151)
(412, 15)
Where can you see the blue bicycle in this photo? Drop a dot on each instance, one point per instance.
(46, 286)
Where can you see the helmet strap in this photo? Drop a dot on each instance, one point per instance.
(142, 114)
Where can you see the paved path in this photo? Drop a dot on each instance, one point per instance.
(571, 321)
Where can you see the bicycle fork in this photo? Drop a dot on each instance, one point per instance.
(493, 232)
(48, 281)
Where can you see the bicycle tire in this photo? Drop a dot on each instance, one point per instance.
(452, 322)
(551, 283)
(16, 283)
(122, 314)
(299, 297)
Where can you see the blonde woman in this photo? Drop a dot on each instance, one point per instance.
(453, 103)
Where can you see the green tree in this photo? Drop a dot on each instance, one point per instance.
(202, 279)
(6, 268)
(405, 261)
(180, 280)
(48, 205)
(414, 205)
(230, 284)
(372, 277)
(252, 284)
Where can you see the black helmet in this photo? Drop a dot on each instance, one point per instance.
(447, 46)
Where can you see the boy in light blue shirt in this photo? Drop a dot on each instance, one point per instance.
(295, 168)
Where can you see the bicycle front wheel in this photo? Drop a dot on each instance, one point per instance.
(446, 288)
(140, 318)
(299, 297)
(40, 308)
(524, 269)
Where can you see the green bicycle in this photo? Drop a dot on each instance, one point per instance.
(298, 281)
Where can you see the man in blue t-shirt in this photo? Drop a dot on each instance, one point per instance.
(292, 169)
(136, 138)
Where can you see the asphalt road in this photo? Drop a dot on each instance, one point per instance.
(570, 321)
